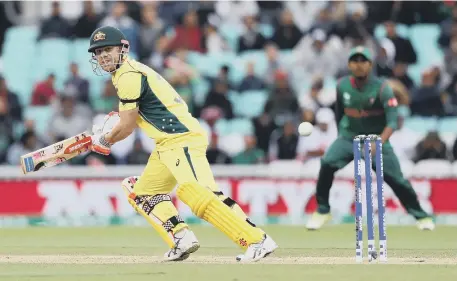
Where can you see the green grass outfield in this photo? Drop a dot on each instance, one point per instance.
(128, 253)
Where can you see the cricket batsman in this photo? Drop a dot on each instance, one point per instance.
(365, 105)
(148, 101)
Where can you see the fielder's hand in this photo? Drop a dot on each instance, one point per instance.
(100, 145)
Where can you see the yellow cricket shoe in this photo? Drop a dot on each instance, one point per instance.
(318, 220)
(426, 224)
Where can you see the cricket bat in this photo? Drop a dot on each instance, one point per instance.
(56, 153)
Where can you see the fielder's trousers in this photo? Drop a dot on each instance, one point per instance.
(340, 154)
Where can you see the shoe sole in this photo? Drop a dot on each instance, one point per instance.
(187, 253)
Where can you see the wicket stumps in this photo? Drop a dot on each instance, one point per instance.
(358, 142)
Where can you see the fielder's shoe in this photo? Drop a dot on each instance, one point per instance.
(426, 224)
(185, 244)
(259, 250)
(318, 220)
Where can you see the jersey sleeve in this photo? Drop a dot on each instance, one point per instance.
(390, 105)
(129, 90)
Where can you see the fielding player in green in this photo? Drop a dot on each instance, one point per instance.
(365, 105)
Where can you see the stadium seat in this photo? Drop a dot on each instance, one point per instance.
(79, 53)
(266, 30)
(97, 85)
(432, 168)
(421, 124)
(200, 89)
(20, 83)
(415, 72)
(402, 30)
(41, 115)
(222, 127)
(53, 56)
(428, 50)
(447, 125)
(448, 139)
(239, 65)
(250, 103)
(27, 35)
(231, 33)
(241, 126)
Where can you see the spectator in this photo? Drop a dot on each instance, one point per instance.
(56, 26)
(251, 155)
(305, 12)
(222, 76)
(264, 126)
(400, 73)
(251, 82)
(324, 20)
(79, 83)
(385, 58)
(232, 12)
(308, 116)
(27, 144)
(317, 55)
(138, 156)
(218, 97)
(310, 101)
(188, 35)
(454, 150)
(44, 93)
(214, 154)
(250, 39)
(404, 51)
(286, 35)
(119, 19)
(87, 22)
(324, 133)
(157, 58)
(151, 30)
(269, 10)
(431, 147)
(214, 43)
(282, 102)
(354, 25)
(426, 100)
(67, 122)
(451, 58)
(274, 62)
(10, 101)
(6, 129)
(284, 143)
(448, 28)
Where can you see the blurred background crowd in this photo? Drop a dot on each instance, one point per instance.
(251, 71)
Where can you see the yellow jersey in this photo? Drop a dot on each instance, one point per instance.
(163, 115)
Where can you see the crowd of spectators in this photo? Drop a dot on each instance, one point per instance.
(319, 35)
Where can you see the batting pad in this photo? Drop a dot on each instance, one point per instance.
(206, 205)
(157, 222)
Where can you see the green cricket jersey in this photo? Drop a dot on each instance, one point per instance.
(367, 110)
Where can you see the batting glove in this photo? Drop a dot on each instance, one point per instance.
(100, 145)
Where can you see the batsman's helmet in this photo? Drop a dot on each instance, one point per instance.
(107, 36)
